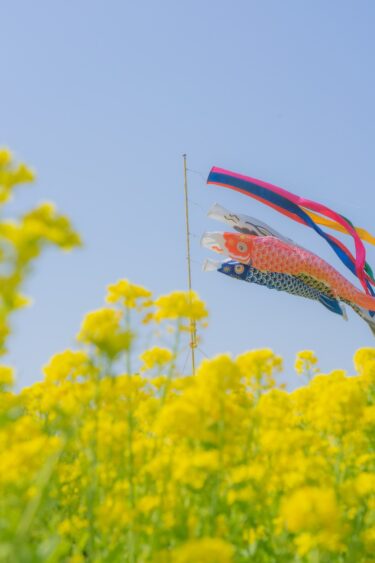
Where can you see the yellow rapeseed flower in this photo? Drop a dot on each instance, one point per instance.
(364, 362)
(45, 223)
(258, 368)
(11, 174)
(306, 362)
(6, 377)
(180, 305)
(365, 484)
(220, 372)
(205, 550)
(5, 156)
(155, 357)
(368, 538)
(311, 509)
(362, 357)
(102, 328)
(70, 364)
(128, 294)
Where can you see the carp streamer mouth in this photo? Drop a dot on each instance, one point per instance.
(213, 241)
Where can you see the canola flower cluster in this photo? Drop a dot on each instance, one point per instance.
(116, 456)
(102, 464)
(24, 239)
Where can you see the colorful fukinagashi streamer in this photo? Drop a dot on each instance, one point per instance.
(274, 255)
(275, 280)
(362, 233)
(297, 208)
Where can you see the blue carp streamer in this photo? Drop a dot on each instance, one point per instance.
(281, 282)
(303, 286)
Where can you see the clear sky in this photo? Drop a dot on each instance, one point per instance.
(102, 99)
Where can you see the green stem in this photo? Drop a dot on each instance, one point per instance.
(128, 352)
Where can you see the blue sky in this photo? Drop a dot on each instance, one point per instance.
(102, 99)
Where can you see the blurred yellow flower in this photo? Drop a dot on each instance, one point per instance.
(66, 365)
(368, 538)
(306, 362)
(6, 377)
(180, 305)
(11, 174)
(5, 156)
(102, 328)
(205, 550)
(219, 373)
(44, 222)
(311, 509)
(155, 357)
(258, 368)
(362, 357)
(128, 294)
(365, 484)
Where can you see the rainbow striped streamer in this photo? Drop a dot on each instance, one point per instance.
(362, 233)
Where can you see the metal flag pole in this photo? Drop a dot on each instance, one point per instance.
(193, 328)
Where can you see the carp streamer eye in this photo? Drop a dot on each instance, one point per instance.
(239, 269)
(242, 247)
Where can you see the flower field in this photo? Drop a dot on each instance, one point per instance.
(115, 455)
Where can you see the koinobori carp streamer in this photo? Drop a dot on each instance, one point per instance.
(293, 285)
